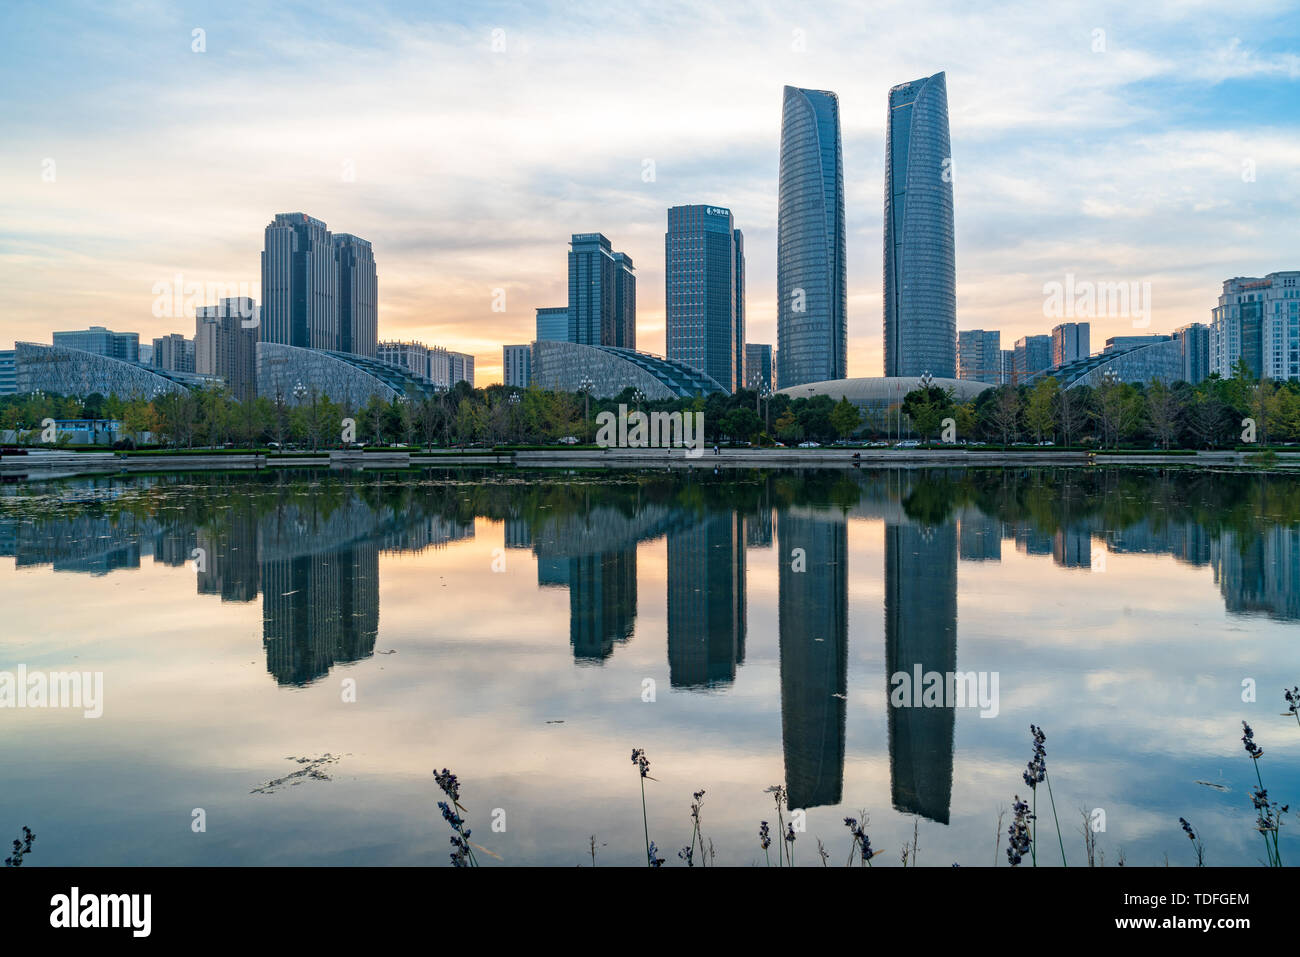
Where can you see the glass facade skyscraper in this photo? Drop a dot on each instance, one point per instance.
(552, 324)
(920, 319)
(812, 294)
(358, 295)
(704, 292)
(602, 293)
(979, 356)
(299, 283)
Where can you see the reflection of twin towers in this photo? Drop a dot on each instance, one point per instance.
(594, 556)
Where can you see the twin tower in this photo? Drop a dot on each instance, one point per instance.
(920, 297)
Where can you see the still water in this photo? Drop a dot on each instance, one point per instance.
(294, 653)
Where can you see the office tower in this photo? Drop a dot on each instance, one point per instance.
(1069, 342)
(1120, 343)
(1033, 356)
(812, 611)
(173, 353)
(702, 279)
(812, 293)
(439, 370)
(602, 293)
(299, 283)
(1258, 320)
(979, 356)
(8, 372)
(517, 364)
(1194, 343)
(738, 239)
(412, 356)
(225, 347)
(552, 324)
(1008, 366)
(920, 269)
(461, 367)
(358, 295)
(102, 342)
(758, 366)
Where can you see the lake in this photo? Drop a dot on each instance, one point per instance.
(285, 657)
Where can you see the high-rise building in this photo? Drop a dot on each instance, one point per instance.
(1258, 320)
(173, 353)
(1070, 342)
(225, 347)
(920, 266)
(758, 366)
(412, 356)
(552, 324)
(299, 283)
(738, 239)
(517, 362)
(979, 356)
(812, 292)
(702, 280)
(102, 342)
(1033, 356)
(8, 372)
(439, 368)
(358, 295)
(1194, 342)
(462, 367)
(602, 293)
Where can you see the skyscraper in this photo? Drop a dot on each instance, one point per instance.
(358, 295)
(552, 324)
(738, 240)
(1258, 320)
(1033, 356)
(1070, 342)
(225, 347)
(812, 293)
(979, 356)
(174, 353)
(758, 365)
(602, 293)
(920, 270)
(102, 342)
(516, 365)
(299, 283)
(702, 283)
(1194, 342)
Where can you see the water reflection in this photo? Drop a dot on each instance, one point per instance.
(311, 545)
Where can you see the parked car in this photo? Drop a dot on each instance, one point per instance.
(569, 440)
(907, 444)
(810, 445)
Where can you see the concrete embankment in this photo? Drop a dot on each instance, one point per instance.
(47, 463)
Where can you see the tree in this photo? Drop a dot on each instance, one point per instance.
(844, 417)
(1072, 411)
(927, 408)
(1163, 413)
(1040, 410)
(1004, 413)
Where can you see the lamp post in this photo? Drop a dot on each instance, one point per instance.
(585, 388)
(638, 397)
(514, 401)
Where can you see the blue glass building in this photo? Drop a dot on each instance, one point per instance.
(812, 306)
(552, 324)
(704, 292)
(920, 272)
(602, 293)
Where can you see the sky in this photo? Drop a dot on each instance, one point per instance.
(1112, 142)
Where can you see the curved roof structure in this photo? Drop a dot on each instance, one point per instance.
(293, 373)
(564, 366)
(880, 391)
(59, 370)
(1145, 364)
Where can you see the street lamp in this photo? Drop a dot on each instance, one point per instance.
(638, 397)
(585, 388)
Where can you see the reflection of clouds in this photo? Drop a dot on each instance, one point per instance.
(1134, 673)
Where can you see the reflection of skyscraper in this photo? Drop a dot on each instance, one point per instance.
(812, 294)
(920, 630)
(813, 625)
(1259, 574)
(920, 271)
(706, 601)
(979, 537)
(229, 565)
(320, 608)
(602, 602)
